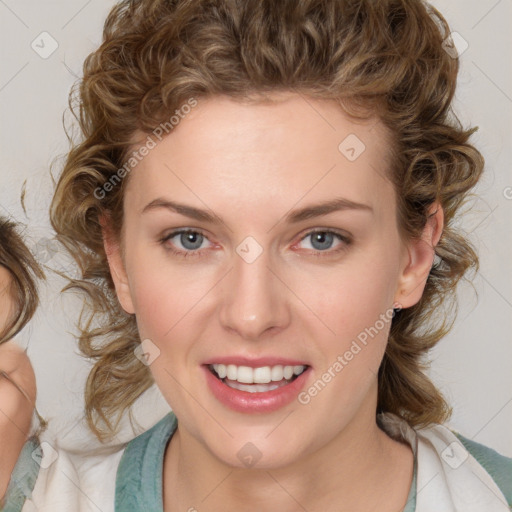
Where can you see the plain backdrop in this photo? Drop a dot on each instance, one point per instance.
(472, 365)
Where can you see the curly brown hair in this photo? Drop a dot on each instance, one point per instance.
(375, 58)
(24, 271)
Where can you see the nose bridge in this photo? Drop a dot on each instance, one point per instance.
(253, 298)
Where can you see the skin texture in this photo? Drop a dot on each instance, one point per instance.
(251, 164)
(15, 410)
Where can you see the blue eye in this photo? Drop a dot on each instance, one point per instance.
(189, 239)
(322, 241)
(191, 242)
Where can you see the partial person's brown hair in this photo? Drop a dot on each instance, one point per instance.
(382, 59)
(24, 271)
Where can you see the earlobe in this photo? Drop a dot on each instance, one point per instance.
(117, 267)
(420, 257)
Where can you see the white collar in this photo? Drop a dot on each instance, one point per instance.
(449, 478)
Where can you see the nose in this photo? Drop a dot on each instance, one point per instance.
(254, 299)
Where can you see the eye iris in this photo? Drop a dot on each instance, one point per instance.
(196, 239)
(324, 238)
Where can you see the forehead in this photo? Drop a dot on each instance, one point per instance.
(257, 155)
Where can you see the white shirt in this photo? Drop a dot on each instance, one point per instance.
(80, 475)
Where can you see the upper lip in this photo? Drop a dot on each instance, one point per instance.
(254, 362)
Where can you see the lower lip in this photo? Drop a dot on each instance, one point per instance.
(244, 401)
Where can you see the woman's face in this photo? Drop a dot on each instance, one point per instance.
(253, 286)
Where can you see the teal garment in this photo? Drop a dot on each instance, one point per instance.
(410, 505)
(497, 465)
(23, 477)
(139, 476)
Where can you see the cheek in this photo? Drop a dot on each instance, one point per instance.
(350, 297)
(164, 307)
(162, 299)
(162, 291)
(354, 304)
(7, 308)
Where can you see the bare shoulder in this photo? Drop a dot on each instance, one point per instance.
(16, 368)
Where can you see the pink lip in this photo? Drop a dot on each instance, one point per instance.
(254, 362)
(266, 402)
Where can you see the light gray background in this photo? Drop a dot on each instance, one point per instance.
(472, 365)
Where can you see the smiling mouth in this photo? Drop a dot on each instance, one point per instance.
(256, 380)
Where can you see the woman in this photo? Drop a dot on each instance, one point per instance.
(263, 208)
(18, 303)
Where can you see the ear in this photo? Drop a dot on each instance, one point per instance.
(112, 247)
(420, 254)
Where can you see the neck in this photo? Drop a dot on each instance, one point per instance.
(360, 469)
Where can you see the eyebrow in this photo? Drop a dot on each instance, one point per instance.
(293, 217)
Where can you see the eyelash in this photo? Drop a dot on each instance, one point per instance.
(346, 241)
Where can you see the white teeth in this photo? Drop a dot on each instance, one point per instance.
(221, 370)
(297, 370)
(245, 375)
(231, 371)
(277, 373)
(261, 375)
(253, 388)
